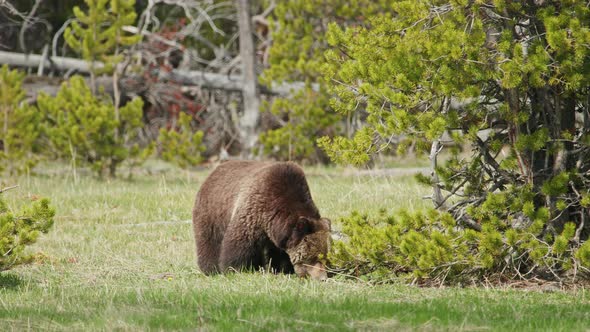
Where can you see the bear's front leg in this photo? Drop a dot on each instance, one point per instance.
(279, 260)
(240, 249)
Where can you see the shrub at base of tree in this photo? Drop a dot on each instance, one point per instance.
(430, 248)
(20, 229)
(510, 79)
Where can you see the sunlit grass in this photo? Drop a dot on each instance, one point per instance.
(121, 257)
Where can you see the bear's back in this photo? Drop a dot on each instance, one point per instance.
(272, 184)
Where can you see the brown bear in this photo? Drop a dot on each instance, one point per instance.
(251, 214)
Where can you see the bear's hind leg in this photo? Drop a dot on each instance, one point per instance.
(205, 260)
(208, 243)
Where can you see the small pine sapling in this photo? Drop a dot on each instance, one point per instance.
(19, 229)
(81, 127)
(19, 124)
(98, 34)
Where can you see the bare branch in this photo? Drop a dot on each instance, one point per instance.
(56, 36)
(11, 9)
(27, 20)
(8, 188)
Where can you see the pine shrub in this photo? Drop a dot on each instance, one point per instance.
(299, 42)
(433, 73)
(19, 124)
(98, 35)
(180, 145)
(431, 247)
(81, 127)
(20, 229)
(303, 119)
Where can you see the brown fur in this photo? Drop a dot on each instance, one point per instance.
(251, 214)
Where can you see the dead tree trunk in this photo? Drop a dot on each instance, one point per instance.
(251, 115)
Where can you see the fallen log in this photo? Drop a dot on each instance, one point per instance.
(36, 60)
(183, 77)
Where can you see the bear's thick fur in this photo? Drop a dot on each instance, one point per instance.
(251, 214)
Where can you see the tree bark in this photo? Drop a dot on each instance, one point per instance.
(437, 197)
(251, 115)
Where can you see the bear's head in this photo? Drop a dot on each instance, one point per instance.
(308, 247)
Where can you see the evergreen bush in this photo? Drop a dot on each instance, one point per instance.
(510, 79)
(19, 124)
(98, 34)
(81, 127)
(20, 229)
(297, 54)
(302, 123)
(181, 145)
(429, 247)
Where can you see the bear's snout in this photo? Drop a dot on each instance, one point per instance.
(316, 271)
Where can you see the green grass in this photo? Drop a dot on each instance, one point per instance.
(121, 257)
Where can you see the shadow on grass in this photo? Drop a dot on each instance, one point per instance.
(9, 281)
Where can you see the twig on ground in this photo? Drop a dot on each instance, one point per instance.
(8, 188)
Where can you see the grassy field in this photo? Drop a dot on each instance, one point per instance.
(121, 257)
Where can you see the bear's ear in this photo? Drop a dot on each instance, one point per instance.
(304, 226)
